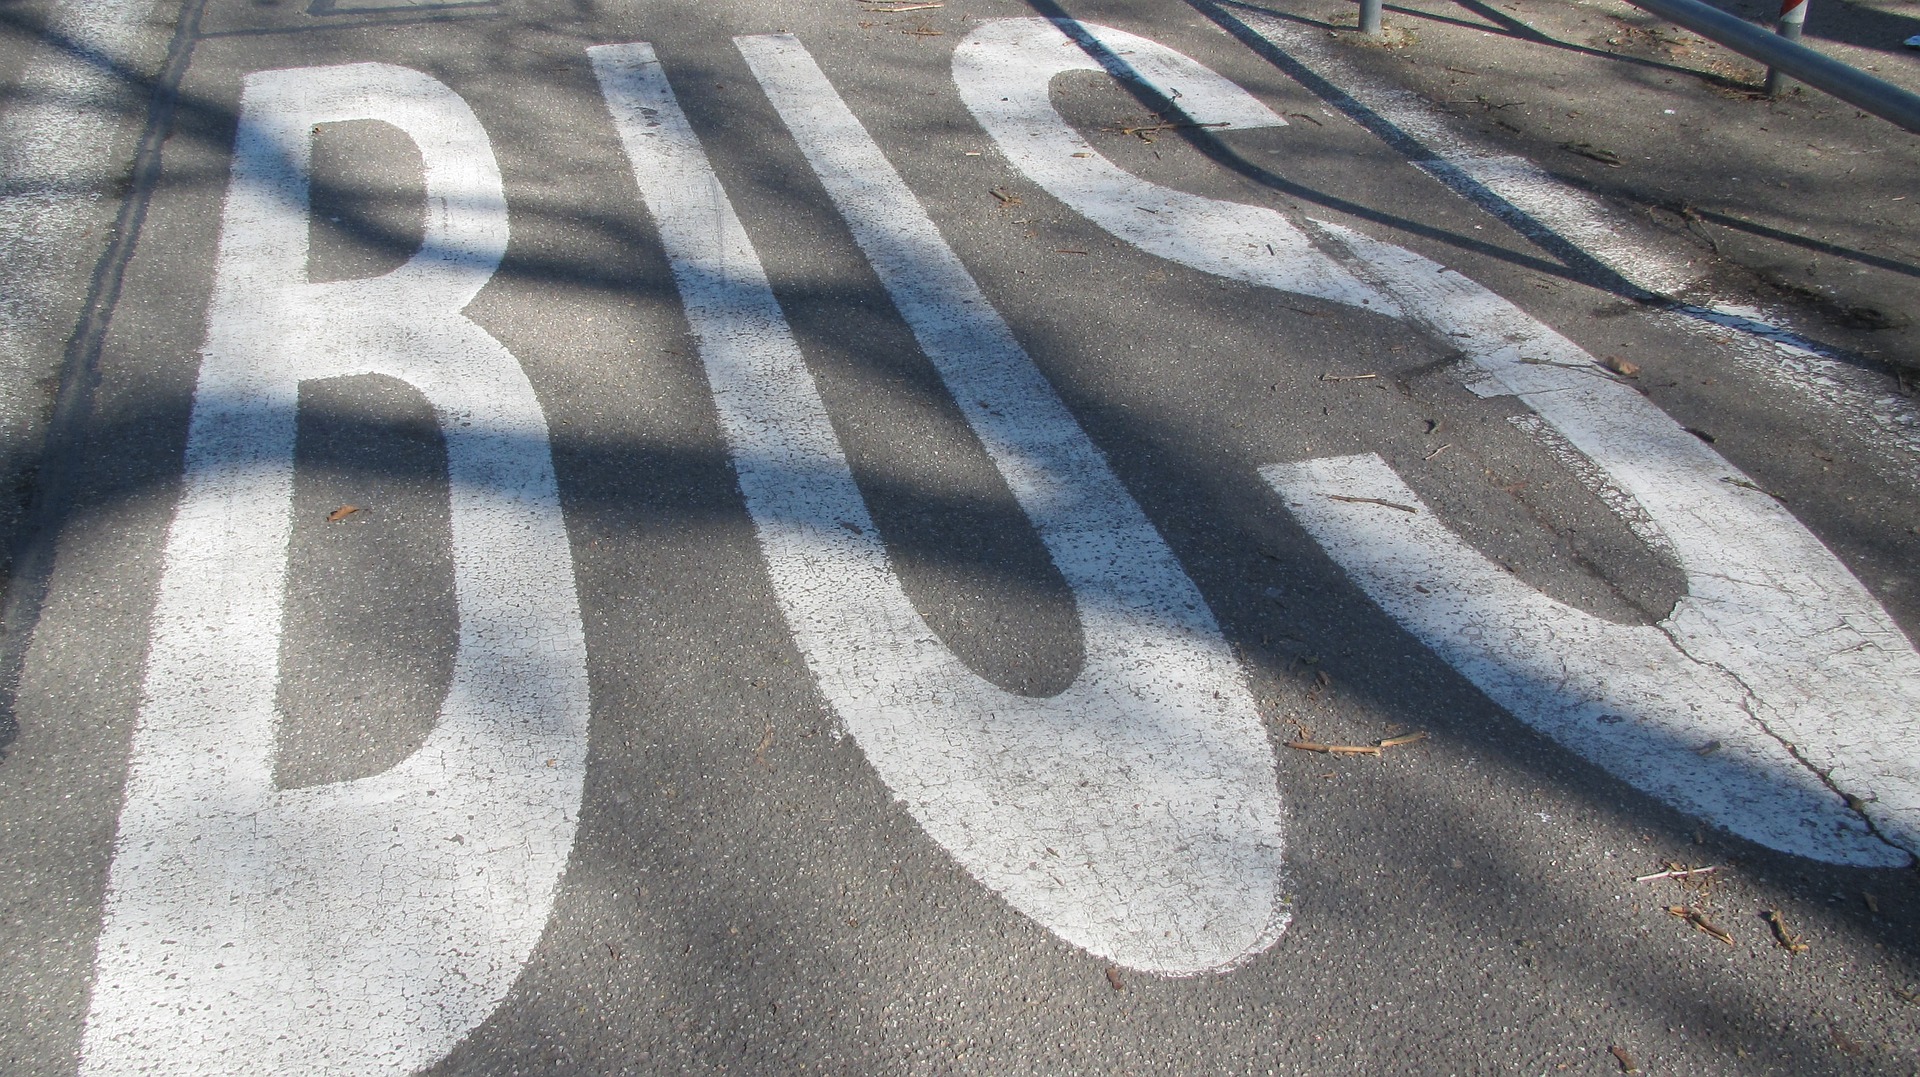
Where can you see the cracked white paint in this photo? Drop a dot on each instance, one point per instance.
(366, 926)
(1136, 813)
(1777, 653)
(1623, 696)
(1827, 681)
(1596, 481)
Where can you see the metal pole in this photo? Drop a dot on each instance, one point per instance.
(1856, 88)
(1793, 19)
(1370, 17)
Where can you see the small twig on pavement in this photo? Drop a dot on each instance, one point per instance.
(1788, 941)
(1335, 749)
(1374, 501)
(1675, 873)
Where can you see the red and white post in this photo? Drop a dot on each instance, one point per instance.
(1793, 19)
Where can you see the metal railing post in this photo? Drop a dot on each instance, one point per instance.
(1793, 19)
(1370, 17)
(1855, 87)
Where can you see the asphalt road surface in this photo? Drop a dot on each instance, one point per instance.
(971, 537)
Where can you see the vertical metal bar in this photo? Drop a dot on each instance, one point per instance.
(1793, 18)
(1370, 17)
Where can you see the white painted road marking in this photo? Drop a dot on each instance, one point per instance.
(1827, 685)
(343, 930)
(1003, 70)
(1846, 395)
(362, 927)
(1800, 666)
(1136, 813)
(1623, 696)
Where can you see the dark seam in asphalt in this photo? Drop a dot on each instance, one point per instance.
(37, 542)
(359, 24)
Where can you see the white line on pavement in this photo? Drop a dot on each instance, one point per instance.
(1136, 813)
